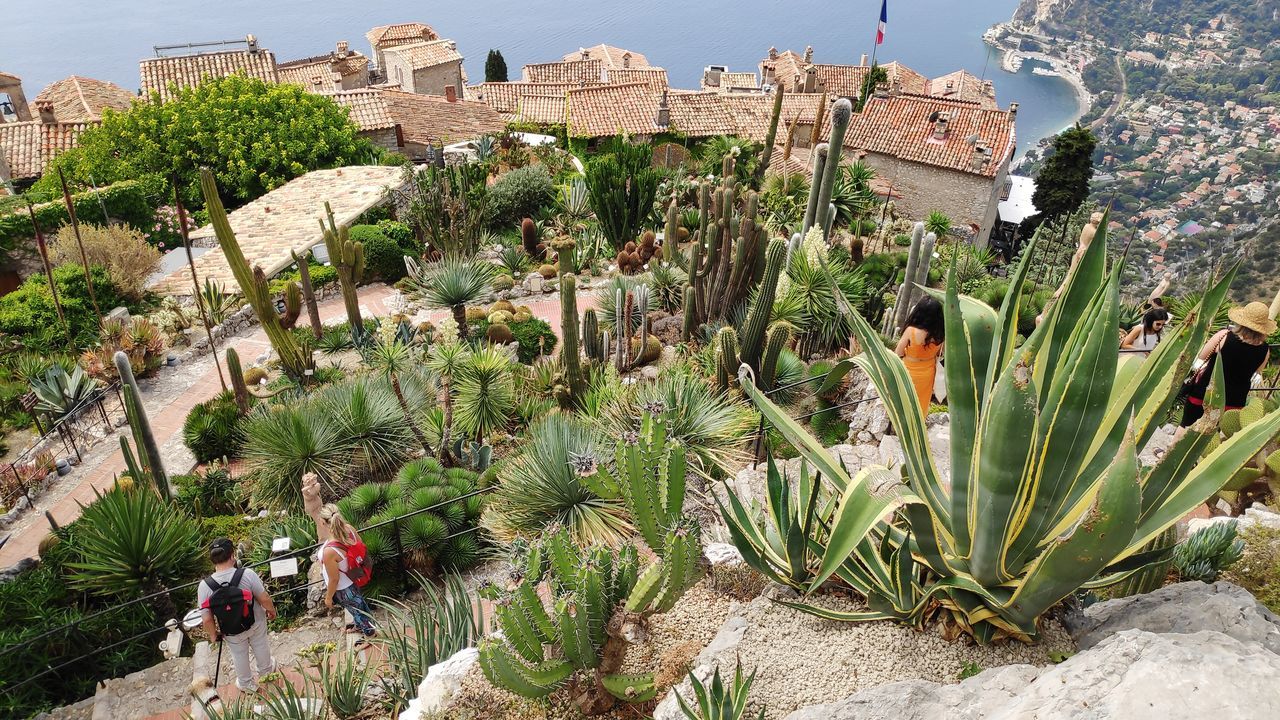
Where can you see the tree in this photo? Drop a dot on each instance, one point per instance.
(1063, 182)
(255, 137)
(495, 67)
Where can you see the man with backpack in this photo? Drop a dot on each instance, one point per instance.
(236, 608)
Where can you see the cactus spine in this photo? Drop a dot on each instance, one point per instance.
(308, 294)
(917, 275)
(140, 425)
(593, 344)
(569, 331)
(292, 357)
(238, 386)
(348, 258)
(727, 361)
(770, 137)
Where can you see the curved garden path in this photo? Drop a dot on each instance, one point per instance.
(170, 396)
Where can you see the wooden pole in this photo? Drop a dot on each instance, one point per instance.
(48, 273)
(84, 257)
(195, 281)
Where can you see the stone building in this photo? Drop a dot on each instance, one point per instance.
(717, 78)
(164, 75)
(342, 69)
(613, 58)
(389, 36)
(939, 154)
(61, 112)
(13, 102)
(409, 123)
(429, 68)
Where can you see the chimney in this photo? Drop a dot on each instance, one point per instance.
(773, 53)
(664, 111)
(881, 90)
(796, 84)
(343, 48)
(1013, 110)
(626, 60)
(951, 87)
(896, 87)
(811, 79)
(981, 157)
(317, 84)
(453, 45)
(586, 54)
(988, 88)
(337, 81)
(863, 61)
(45, 108)
(940, 125)
(767, 74)
(713, 76)
(252, 42)
(450, 93)
(808, 54)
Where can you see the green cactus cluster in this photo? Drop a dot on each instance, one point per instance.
(347, 257)
(308, 294)
(1209, 551)
(760, 343)
(727, 254)
(593, 341)
(253, 285)
(1242, 486)
(152, 464)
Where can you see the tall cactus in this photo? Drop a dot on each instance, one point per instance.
(292, 306)
(726, 258)
(841, 114)
(569, 331)
(640, 296)
(593, 344)
(292, 357)
(917, 275)
(815, 188)
(779, 336)
(758, 319)
(727, 361)
(690, 319)
(136, 413)
(308, 294)
(239, 388)
(770, 137)
(347, 257)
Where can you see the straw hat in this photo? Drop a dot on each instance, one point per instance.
(1254, 316)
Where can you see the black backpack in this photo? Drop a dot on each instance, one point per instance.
(231, 605)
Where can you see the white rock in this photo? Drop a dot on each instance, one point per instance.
(723, 554)
(442, 682)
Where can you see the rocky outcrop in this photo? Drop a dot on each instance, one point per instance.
(1184, 608)
(1132, 674)
(441, 684)
(1257, 514)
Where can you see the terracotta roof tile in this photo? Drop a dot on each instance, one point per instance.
(542, 109)
(738, 81)
(186, 71)
(655, 78)
(505, 97)
(908, 80)
(367, 107)
(400, 34)
(566, 71)
(900, 126)
(747, 115)
(841, 80)
(304, 72)
(80, 99)
(427, 54)
(613, 109)
(29, 146)
(614, 58)
(964, 85)
(703, 114)
(424, 118)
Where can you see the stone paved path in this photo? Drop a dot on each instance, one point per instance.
(168, 399)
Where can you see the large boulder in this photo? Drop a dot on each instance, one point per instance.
(442, 682)
(1132, 674)
(1187, 607)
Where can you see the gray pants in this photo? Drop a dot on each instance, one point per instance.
(254, 639)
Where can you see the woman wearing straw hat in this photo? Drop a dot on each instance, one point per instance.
(1243, 350)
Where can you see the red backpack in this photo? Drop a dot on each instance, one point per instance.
(359, 569)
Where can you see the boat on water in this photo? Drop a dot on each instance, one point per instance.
(1046, 71)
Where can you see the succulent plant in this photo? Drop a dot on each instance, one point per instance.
(917, 275)
(347, 257)
(1208, 551)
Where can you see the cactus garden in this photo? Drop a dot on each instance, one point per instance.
(634, 441)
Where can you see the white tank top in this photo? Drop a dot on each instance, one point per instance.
(1146, 342)
(331, 547)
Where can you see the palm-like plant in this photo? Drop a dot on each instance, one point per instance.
(133, 543)
(283, 443)
(486, 393)
(1045, 494)
(719, 702)
(392, 359)
(366, 413)
(445, 360)
(541, 488)
(450, 283)
(607, 304)
(852, 194)
(937, 223)
(810, 302)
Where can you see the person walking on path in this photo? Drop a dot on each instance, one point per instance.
(336, 557)
(1243, 352)
(235, 607)
(1146, 334)
(920, 346)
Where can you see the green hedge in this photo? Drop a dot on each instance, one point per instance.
(125, 201)
(29, 315)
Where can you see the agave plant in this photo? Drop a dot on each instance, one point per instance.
(852, 194)
(719, 702)
(217, 303)
(344, 680)
(1045, 494)
(420, 634)
(451, 283)
(58, 392)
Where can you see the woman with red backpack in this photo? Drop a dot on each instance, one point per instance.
(346, 569)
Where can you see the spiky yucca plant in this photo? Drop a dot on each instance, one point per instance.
(451, 283)
(1045, 494)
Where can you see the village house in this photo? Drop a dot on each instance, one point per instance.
(410, 123)
(613, 58)
(342, 69)
(162, 76)
(717, 78)
(433, 67)
(389, 36)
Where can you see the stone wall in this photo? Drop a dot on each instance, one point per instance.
(964, 197)
(384, 138)
(426, 81)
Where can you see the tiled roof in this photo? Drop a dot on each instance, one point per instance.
(964, 85)
(900, 126)
(841, 80)
(80, 99)
(567, 71)
(655, 78)
(400, 34)
(739, 81)
(614, 58)
(786, 67)
(606, 110)
(29, 146)
(701, 114)
(427, 54)
(190, 70)
(541, 109)
(747, 115)
(908, 80)
(303, 72)
(506, 97)
(367, 107)
(424, 118)
(286, 219)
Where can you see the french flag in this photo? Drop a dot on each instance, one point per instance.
(884, 20)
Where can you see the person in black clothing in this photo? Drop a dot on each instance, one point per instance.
(1243, 352)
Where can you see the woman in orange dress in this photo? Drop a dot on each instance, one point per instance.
(919, 347)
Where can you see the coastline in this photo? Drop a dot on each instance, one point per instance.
(1012, 58)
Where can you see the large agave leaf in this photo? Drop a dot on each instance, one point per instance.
(873, 493)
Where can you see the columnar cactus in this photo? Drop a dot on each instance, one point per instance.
(758, 319)
(727, 361)
(815, 188)
(770, 137)
(140, 425)
(779, 336)
(292, 306)
(293, 359)
(569, 357)
(593, 343)
(917, 275)
(726, 258)
(347, 257)
(690, 321)
(308, 294)
(841, 114)
(239, 388)
(529, 238)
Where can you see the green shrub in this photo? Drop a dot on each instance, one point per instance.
(535, 337)
(215, 492)
(212, 429)
(321, 275)
(400, 233)
(235, 527)
(519, 194)
(125, 201)
(29, 315)
(383, 258)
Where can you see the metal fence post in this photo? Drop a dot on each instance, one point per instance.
(404, 573)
